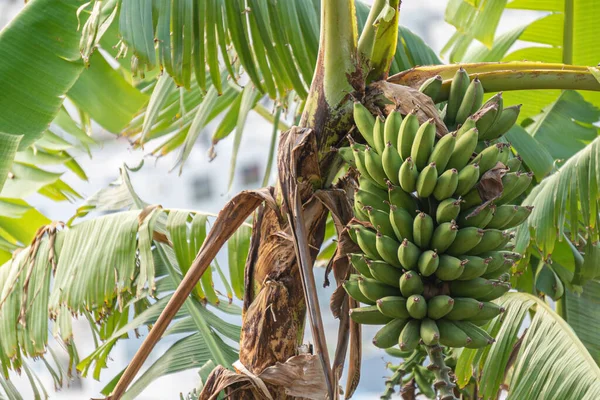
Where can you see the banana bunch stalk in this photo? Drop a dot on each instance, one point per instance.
(435, 241)
(411, 375)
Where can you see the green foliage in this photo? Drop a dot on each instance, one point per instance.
(47, 66)
(118, 271)
(547, 359)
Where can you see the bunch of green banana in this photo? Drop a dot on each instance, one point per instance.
(433, 257)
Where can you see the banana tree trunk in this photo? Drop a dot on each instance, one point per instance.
(274, 311)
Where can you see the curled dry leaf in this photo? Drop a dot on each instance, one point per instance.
(300, 376)
(405, 99)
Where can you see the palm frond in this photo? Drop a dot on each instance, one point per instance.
(8, 148)
(268, 49)
(105, 95)
(566, 202)
(583, 315)
(543, 42)
(546, 360)
(118, 271)
(46, 67)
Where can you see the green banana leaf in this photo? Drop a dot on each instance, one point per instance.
(35, 74)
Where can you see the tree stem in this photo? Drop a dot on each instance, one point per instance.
(567, 47)
(443, 385)
(507, 76)
(337, 50)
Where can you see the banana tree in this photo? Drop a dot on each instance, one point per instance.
(192, 61)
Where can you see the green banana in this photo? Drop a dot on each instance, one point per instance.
(488, 158)
(447, 210)
(514, 164)
(381, 221)
(485, 117)
(392, 127)
(451, 335)
(505, 153)
(409, 338)
(407, 175)
(450, 268)
(475, 288)
(368, 315)
(423, 144)
(466, 239)
(502, 274)
(366, 240)
(515, 190)
(365, 122)
(439, 306)
(446, 185)
(368, 185)
(353, 291)
(359, 161)
(428, 262)
(416, 306)
(347, 155)
(467, 178)
(463, 150)
(479, 337)
(411, 284)
(387, 249)
(374, 166)
(443, 236)
(396, 352)
(360, 212)
(422, 230)
(442, 151)
(475, 267)
(408, 254)
(351, 230)
(503, 215)
(427, 181)
(480, 220)
(458, 89)
(371, 199)
(493, 239)
(378, 135)
(388, 335)
(393, 306)
(429, 332)
(507, 119)
(359, 262)
(505, 277)
(391, 162)
(406, 136)
(400, 198)
(471, 102)
(471, 199)
(499, 262)
(489, 310)
(385, 272)
(431, 87)
(464, 308)
(520, 216)
(373, 289)
(401, 222)
(509, 181)
(498, 289)
(468, 125)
